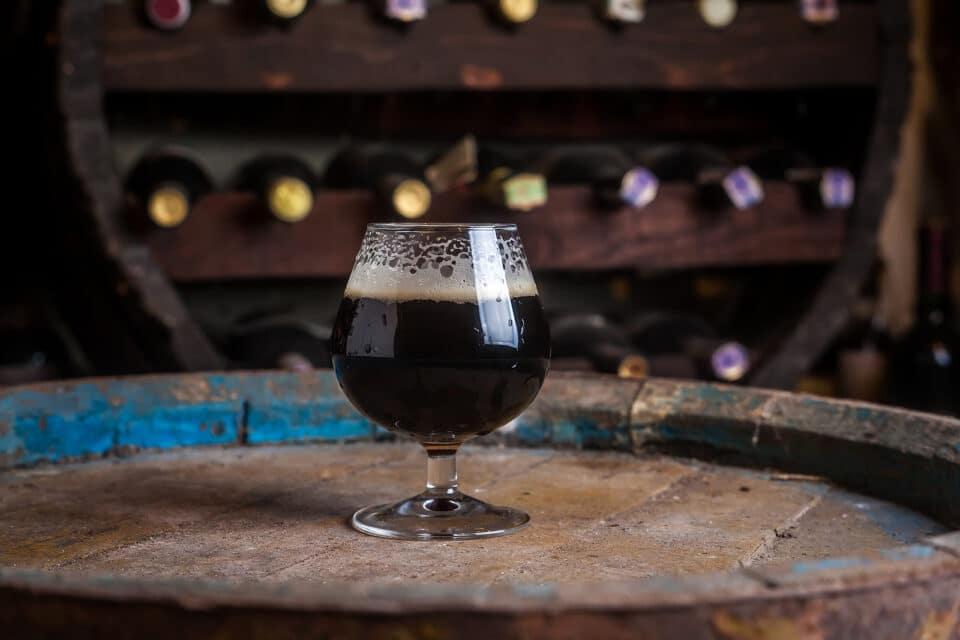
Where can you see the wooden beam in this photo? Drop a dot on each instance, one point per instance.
(341, 48)
(228, 236)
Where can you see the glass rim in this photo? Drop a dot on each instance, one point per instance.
(427, 227)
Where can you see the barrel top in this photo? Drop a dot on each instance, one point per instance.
(630, 506)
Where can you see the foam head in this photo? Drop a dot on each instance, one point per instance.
(449, 262)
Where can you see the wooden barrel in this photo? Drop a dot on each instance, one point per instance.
(176, 507)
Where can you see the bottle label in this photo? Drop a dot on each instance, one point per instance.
(524, 191)
(626, 10)
(406, 10)
(837, 188)
(819, 11)
(718, 13)
(639, 187)
(743, 187)
(168, 14)
(518, 11)
(287, 9)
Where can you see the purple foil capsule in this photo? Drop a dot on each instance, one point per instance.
(819, 11)
(406, 10)
(837, 188)
(743, 187)
(730, 361)
(639, 187)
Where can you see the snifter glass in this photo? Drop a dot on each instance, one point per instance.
(440, 336)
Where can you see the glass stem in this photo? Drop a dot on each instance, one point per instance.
(442, 474)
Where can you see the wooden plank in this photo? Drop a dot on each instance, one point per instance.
(280, 514)
(228, 237)
(340, 48)
(898, 455)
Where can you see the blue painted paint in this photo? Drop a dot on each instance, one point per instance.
(538, 591)
(827, 564)
(289, 408)
(530, 429)
(181, 427)
(324, 419)
(912, 552)
(901, 524)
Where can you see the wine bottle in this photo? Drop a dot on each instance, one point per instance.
(607, 348)
(281, 341)
(863, 351)
(283, 184)
(667, 332)
(718, 13)
(284, 13)
(614, 181)
(404, 11)
(819, 12)
(455, 167)
(505, 182)
(167, 15)
(926, 362)
(167, 182)
(396, 179)
(719, 183)
(513, 12)
(820, 188)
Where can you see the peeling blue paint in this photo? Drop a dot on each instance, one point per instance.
(912, 552)
(827, 564)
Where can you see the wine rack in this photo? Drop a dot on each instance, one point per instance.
(108, 56)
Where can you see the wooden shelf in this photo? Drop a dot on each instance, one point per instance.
(342, 48)
(229, 237)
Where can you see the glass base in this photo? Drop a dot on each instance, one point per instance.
(428, 517)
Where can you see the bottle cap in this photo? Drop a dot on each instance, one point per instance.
(631, 11)
(167, 14)
(524, 191)
(639, 187)
(837, 188)
(819, 11)
(168, 206)
(730, 361)
(718, 13)
(743, 187)
(286, 9)
(633, 367)
(411, 198)
(517, 11)
(405, 10)
(289, 199)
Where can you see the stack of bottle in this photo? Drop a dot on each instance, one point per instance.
(172, 15)
(168, 181)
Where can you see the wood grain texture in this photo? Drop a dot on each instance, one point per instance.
(229, 237)
(251, 541)
(280, 513)
(340, 48)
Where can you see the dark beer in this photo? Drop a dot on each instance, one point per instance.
(442, 371)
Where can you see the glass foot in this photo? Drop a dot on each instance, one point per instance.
(428, 517)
